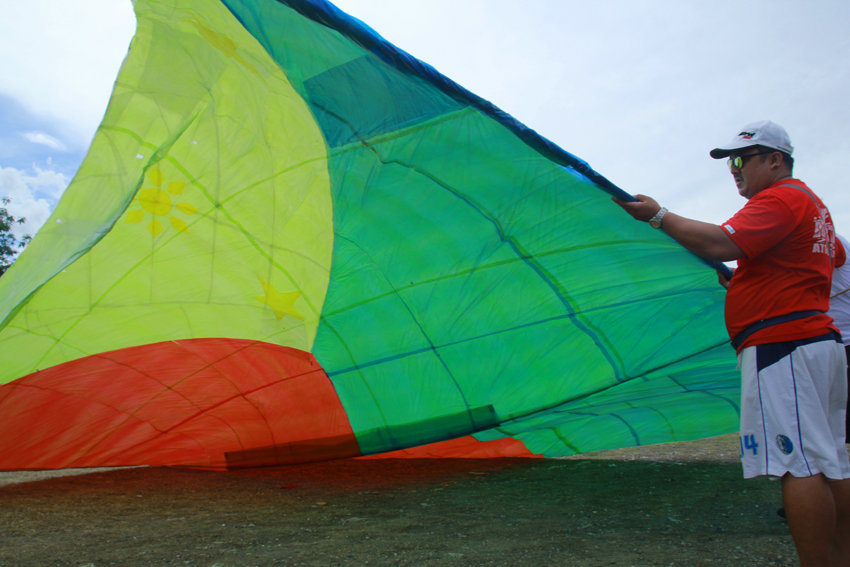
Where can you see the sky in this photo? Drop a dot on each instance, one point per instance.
(640, 89)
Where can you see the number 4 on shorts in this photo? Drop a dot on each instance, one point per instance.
(748, 442)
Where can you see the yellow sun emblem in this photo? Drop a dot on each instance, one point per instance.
(157, 201)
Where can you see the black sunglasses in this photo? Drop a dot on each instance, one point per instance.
(739, 161)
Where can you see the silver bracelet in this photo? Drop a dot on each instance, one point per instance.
(655, 222)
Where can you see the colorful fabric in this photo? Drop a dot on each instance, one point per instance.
(291, 241)
(789, 239)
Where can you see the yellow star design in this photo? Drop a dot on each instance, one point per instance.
(281, 303)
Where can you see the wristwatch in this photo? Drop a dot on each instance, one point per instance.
(655, 222)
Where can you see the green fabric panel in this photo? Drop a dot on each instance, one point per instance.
(429, 430)
(469, 271)
(692, 399)
(353, 93)
(462, 280)
(202, 209)
(301, 47)
(394, 101)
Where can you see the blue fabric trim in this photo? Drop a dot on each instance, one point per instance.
(771, 353)
(741, 337)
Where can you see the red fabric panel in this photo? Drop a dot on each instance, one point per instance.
(462, 448)
(197, 403)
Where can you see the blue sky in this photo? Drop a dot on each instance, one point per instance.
(642, 90)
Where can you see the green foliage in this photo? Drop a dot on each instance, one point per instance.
(8, 242)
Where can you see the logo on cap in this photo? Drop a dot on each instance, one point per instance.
(747, 135)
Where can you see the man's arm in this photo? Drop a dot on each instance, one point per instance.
(704, 239)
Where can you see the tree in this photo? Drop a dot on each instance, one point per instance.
(8, 242)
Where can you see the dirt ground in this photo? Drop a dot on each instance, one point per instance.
(681, 504)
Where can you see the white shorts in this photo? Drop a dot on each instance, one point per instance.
(793, 408)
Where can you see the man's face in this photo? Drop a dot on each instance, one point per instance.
(754, 173)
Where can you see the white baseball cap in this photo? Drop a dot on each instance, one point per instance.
(763, 133)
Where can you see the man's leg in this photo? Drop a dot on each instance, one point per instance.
(810, 508)
(841, 542)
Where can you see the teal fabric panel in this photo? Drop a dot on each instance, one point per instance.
(363, 98)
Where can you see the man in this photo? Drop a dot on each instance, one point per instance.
(794, 390)
(839, 310)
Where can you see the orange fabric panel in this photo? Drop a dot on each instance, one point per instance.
(462, 448)
(209, 403)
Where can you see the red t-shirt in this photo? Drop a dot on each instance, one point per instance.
(788, 240)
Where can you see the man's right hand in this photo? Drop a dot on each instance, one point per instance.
(643, 209)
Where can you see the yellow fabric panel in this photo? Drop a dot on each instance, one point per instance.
(203, 208)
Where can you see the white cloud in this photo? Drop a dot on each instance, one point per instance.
(45, 140)
(60, 59)
(32, 196)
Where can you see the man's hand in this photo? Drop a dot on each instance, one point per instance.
(642, 210)
(703, 239)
